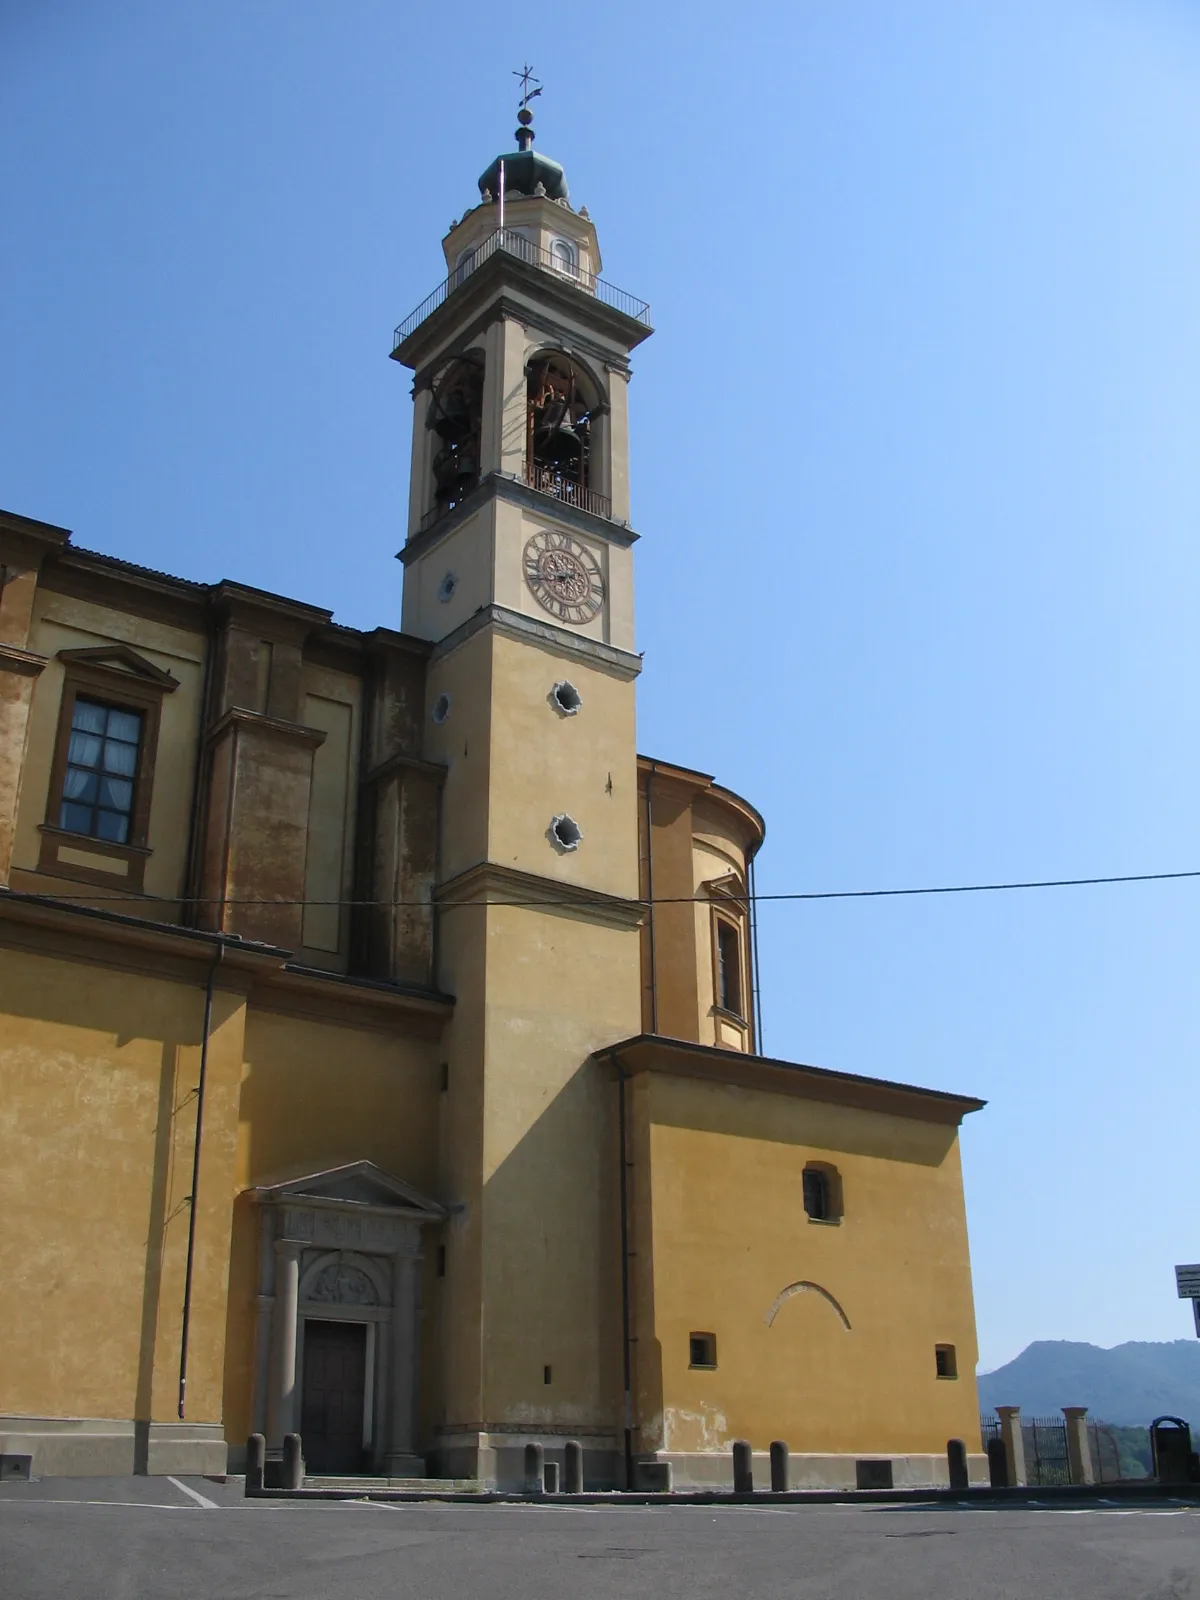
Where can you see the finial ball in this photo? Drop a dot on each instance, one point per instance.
(525, 116)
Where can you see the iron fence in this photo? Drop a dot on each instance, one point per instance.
(1046, 1456)
(516, 244)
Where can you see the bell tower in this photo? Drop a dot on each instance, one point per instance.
(518, 568)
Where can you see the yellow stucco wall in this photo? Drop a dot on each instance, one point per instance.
(316, 1094)
(98, 1068)
(719, 1191)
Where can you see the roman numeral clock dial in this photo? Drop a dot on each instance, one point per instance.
(563, 577)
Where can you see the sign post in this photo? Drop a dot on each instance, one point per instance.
(1187, 1281)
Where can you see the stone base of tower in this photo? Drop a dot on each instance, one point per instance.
(496, 1460)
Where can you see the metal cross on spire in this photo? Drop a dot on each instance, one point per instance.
(526, 76)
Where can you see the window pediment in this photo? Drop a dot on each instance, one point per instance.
(123, 662)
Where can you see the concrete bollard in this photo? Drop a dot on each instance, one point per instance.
(997, 1464)
(573, 1467)
(256, 1462)
(779, 1467)
(743, 1470)
(293, 1461)
(535, 1469)
(956, 1460)
(550, 1477)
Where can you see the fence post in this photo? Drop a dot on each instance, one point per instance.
(293, 1461)
(779, 1467)
(573, 1467)
(1014, 1445)
(1079, 1451)
(256, 1462)
(535, 1469)
(956, 1460)
(743, 1470)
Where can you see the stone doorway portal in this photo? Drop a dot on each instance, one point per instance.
(333, 1396)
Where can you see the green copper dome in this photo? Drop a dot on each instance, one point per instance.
(525, 168)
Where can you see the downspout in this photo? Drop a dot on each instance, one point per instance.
(191, 1244)
(193, 911)
(650, 895)
(626, 1359)
(758, 1041)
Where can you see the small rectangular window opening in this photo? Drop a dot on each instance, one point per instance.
(702, 1348)
(445, 1076)
(441, 1261)
(102, 763)
(816, 1194)
(546, 1374)
(729, 968)
(947, 1360)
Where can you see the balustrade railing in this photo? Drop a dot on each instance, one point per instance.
(516, 244)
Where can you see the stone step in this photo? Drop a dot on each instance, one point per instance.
(421, 1485)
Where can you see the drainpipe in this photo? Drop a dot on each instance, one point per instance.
(626, 1361)
(650, 894)
(192, 1198)
(758, 1040)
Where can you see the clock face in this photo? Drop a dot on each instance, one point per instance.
(564, 577)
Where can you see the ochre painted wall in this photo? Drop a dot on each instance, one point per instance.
(719, 1201)
(98, 1068)
(316, 1094)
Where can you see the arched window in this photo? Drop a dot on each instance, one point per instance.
(464, 266)
(565, 257)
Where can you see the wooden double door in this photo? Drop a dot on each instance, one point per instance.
(333, 1396)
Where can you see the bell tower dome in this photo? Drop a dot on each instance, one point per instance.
(518, 569)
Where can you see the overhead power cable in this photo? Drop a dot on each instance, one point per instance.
(552, 900)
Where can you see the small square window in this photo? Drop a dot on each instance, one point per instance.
(702, 1349)
(946, 1360)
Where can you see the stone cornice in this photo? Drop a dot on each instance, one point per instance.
(271, 727)
(500, 486)
(62, 931)
(402, 763)
(548, 295)
(22, 663)
(488, 883)
(648, 1052)
(516, 625)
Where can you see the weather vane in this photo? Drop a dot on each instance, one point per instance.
(527, 94)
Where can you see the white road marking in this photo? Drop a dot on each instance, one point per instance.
(200, 1499)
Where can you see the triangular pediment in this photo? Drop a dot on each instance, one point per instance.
(120, 658)
(358, 1183)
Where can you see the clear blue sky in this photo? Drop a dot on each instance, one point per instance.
(915, 467)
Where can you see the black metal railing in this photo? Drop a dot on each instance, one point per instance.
(516, 244)
(569, 490)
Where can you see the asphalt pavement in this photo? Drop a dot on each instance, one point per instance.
(193, 1539)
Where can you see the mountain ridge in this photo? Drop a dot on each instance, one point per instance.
(1129, 1384)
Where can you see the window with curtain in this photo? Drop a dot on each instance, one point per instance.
(102, 763)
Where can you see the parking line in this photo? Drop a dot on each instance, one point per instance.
(200, 1499)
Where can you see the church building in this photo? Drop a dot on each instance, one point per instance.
(379, 1057)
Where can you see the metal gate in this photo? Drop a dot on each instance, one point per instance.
(1045, 1441)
